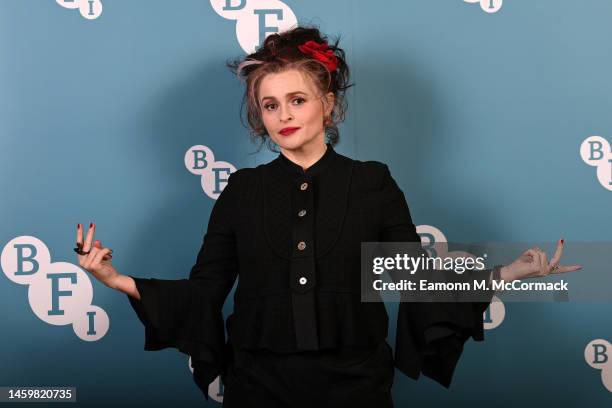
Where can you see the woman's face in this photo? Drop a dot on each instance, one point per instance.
(289, 99)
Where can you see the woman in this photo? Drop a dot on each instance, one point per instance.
(292, 229)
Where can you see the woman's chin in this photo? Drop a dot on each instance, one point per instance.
(290, 142)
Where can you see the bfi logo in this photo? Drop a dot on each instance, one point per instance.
(89, 9)
(255, 19)
(489, 6)
(597, 355)
(595, 151)
(200, 160)
(59, 293)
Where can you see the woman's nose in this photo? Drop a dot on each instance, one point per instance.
(285, 113)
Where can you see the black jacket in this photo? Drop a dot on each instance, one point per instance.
(294, 239)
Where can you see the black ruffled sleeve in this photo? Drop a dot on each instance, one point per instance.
(186, 314)
(430, 335)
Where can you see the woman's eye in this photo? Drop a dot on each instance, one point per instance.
(273, 105)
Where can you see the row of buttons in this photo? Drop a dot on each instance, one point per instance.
(302, 245)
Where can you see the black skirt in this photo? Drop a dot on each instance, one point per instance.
(346, 377)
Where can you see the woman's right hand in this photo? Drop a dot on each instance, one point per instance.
(98, 261)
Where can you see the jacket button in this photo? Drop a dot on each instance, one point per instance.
(302, 213)
(304, 186)
(303, 280)
(301, 245)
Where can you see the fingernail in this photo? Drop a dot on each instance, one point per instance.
(90, 224)
(78, 226)
(561, 241)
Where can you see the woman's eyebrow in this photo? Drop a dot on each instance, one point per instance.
(287, 95)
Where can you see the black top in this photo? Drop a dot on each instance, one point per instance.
(294, 236)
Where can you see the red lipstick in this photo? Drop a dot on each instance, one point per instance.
(288, 130)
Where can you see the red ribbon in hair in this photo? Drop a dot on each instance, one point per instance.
(321, 52)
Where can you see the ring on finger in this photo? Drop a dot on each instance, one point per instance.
(79, 249)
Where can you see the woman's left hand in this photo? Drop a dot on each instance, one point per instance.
(533, 264)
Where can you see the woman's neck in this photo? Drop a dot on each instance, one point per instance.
(305, 156)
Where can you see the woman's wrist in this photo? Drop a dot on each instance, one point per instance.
(113, 282)
(125, 284)
(505, 274)
(118, 282)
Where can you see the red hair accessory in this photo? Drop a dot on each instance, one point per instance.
(321, 52)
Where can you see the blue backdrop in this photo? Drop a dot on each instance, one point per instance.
(479, 112)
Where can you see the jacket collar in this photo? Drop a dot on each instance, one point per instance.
(331, 178)
(315, 169)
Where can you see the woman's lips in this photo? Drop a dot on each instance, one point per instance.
(288, 131)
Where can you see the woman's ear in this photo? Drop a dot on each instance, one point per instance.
(329, 106)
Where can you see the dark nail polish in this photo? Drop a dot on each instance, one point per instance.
(561, 240)
(78, 226)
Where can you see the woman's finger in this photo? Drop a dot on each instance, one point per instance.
(107, 256)
(527, 254)
(533, 259)
(567, 268)
(557, 255)
(99, 255)
(89, 237)
(79, 238)
(92, 254)
(540, 259)
(98, 244)
(543, 262)
(79, 242)
(533, 254)
(545, 265)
